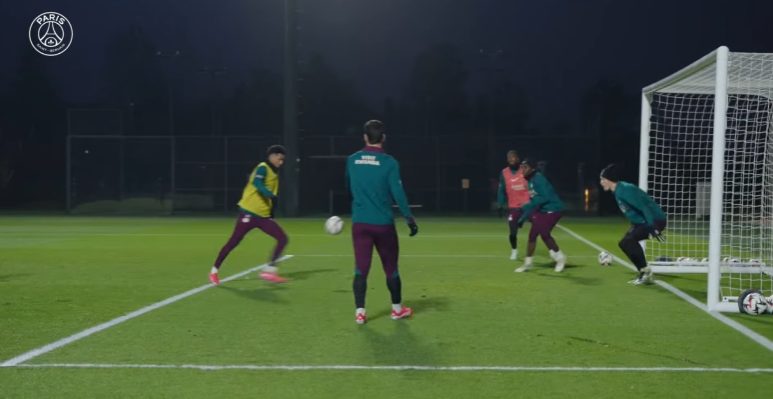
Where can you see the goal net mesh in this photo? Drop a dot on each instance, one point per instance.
(679, 171)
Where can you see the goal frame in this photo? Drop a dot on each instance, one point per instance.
(714, 266)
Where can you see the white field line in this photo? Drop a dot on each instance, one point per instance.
(676, 291)
(354, 367)
(503, 257)
(68, 234)
(118, 320)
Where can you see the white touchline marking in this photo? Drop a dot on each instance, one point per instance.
(301, 367)
(503, 257)
(676, 291)
(118, 320)
(69, 234)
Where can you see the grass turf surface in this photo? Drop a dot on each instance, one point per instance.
(61, 275)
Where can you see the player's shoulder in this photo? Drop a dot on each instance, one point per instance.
(629, 188)
(387, 157)
(355, 155)
(539, 177)
(261, 166)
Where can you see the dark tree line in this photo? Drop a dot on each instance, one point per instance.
(158, 92)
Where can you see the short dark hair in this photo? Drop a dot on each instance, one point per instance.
(513, 152)
(374, 129)
(531, 162)
(276, 149)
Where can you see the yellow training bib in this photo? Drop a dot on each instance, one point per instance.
(252, 200)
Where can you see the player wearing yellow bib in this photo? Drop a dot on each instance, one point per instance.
(256, 210)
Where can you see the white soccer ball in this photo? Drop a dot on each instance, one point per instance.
(753, 303)
(334, 225)
(605, 259)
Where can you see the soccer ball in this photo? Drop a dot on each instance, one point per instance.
(605, 259)
(752, 302)
(334, 225)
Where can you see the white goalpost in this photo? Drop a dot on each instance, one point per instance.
(707, 158)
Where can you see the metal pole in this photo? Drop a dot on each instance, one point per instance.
(68, 180)
(172, 171)
(330, 202)
(644, 141)
(121, 169)
(290, 136)
(717, 179)
(225, 173)
(172, 56)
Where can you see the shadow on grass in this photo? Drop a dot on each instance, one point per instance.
(393, 342)
(304, 274)
(630, 350)
(13, 276)
(763, 320)
(265, 293)
(419, 306)
(547, 271)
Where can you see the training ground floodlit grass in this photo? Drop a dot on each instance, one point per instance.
(479, 330)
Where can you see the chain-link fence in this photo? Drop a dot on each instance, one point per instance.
(164, 174)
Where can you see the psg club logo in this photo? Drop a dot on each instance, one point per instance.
(50, 33)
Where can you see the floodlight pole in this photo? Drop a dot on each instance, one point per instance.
(289, 194)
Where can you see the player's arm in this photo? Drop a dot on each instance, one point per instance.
(347, 184)
(259, 182)
(640, 201)
(501, 195)
(398, 194)
(348, 181)
(537, 200)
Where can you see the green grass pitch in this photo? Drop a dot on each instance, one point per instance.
(62, 275)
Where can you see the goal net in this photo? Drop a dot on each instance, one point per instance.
(707, 159)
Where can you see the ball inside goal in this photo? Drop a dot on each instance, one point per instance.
(334, 225)
(752, 302)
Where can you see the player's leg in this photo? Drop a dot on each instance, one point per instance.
(512, 222)
(531, 245)
(547, 222)
(362, 241)
(272, 228)
(388, 248)
(633, 250)
(244, 223)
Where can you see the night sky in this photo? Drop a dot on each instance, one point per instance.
(554, 48)
(520, 73)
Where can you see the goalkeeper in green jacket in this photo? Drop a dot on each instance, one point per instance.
(646, 217)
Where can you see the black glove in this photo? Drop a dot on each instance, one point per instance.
(520, 222)
(500, 211)
(656, 234)
(414, 228)
(274, 200)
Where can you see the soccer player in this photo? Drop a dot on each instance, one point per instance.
(374, 181)
(512, 194)
(646, 217)
(256, 210)
(543, 210)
